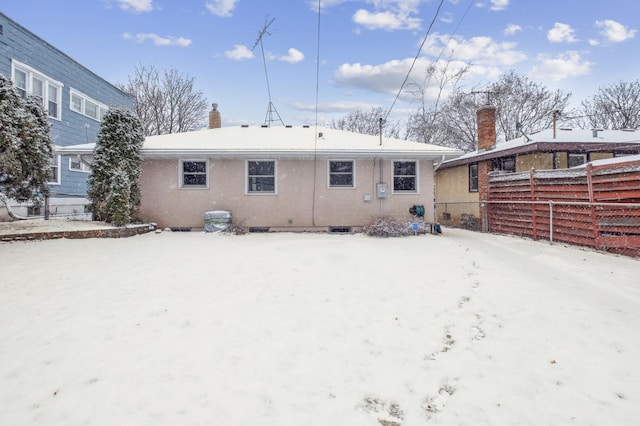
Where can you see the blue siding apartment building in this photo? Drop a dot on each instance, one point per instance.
(76, 100)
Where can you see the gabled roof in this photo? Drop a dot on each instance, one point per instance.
(623, 141)
(279, 142)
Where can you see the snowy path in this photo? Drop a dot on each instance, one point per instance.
(315, 329)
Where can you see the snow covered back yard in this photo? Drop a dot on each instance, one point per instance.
(317, 329)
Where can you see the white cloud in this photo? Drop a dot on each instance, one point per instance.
(136, 5)
(387, 20)
(293, 57)
(158, 40)
(340, 106)
(614, 31)
(239, 52)
(388, 77)
(561, 33)
(499, 4)
(222, 8)
(568, 64)
(512, 29)
(478, 50)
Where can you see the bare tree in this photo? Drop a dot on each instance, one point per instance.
(165, 104)
(614, 107)
(524, 105)
(368, 123)
(424, 125)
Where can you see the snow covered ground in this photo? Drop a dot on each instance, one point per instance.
(317, 329)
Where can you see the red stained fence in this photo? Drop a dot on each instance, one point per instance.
(596, 206)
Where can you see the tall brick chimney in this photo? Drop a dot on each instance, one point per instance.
(486, 117)
(215, 121)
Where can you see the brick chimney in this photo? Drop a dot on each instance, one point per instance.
(215, 121)
(486, 117)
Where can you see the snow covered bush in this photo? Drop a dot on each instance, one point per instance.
(25, 145)
(114, 188)
(388, 226)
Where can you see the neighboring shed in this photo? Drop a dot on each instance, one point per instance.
(461, 183)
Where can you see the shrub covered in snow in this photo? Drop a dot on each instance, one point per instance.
(388, 226)
(114, 188)
(25, 145)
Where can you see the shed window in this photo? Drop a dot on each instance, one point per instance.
(473, 177)
(577, 159)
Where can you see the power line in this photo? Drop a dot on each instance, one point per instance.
(415, 59)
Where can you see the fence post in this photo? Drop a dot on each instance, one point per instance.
(485, 216)
(534, 218)
(550, 221)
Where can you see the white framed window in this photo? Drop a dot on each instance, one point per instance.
(261, 176)
(54, 170)
(76, 165)
(405, 176)
(194, 174)
(83, 104)
(29, 81)
(342, 174)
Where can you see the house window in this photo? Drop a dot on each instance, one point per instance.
(341, 174)
(54, 170)
(473, 177)
(83, 104)
(75, 165)
(505, 164)
(29, 81)
(193, 174)
(577, 159)
(261, 176)
(405, 176)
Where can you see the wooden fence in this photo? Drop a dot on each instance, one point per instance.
(595, 206)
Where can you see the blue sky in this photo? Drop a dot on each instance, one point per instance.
(366, 47)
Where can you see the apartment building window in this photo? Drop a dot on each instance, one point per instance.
(85, 105)
(29, 81)
(54, 170)
(75, 165)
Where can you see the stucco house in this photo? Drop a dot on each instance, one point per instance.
(282, 178)
(461, 183)
(75, 99)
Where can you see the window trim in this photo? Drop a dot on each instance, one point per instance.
(181, 184)
(415, 177)
(101, 108)
(275, 177)
(472, 179)
(353, 174)
(58, 166)
(30, 73)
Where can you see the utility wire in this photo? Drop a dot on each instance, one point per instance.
(414, 60)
